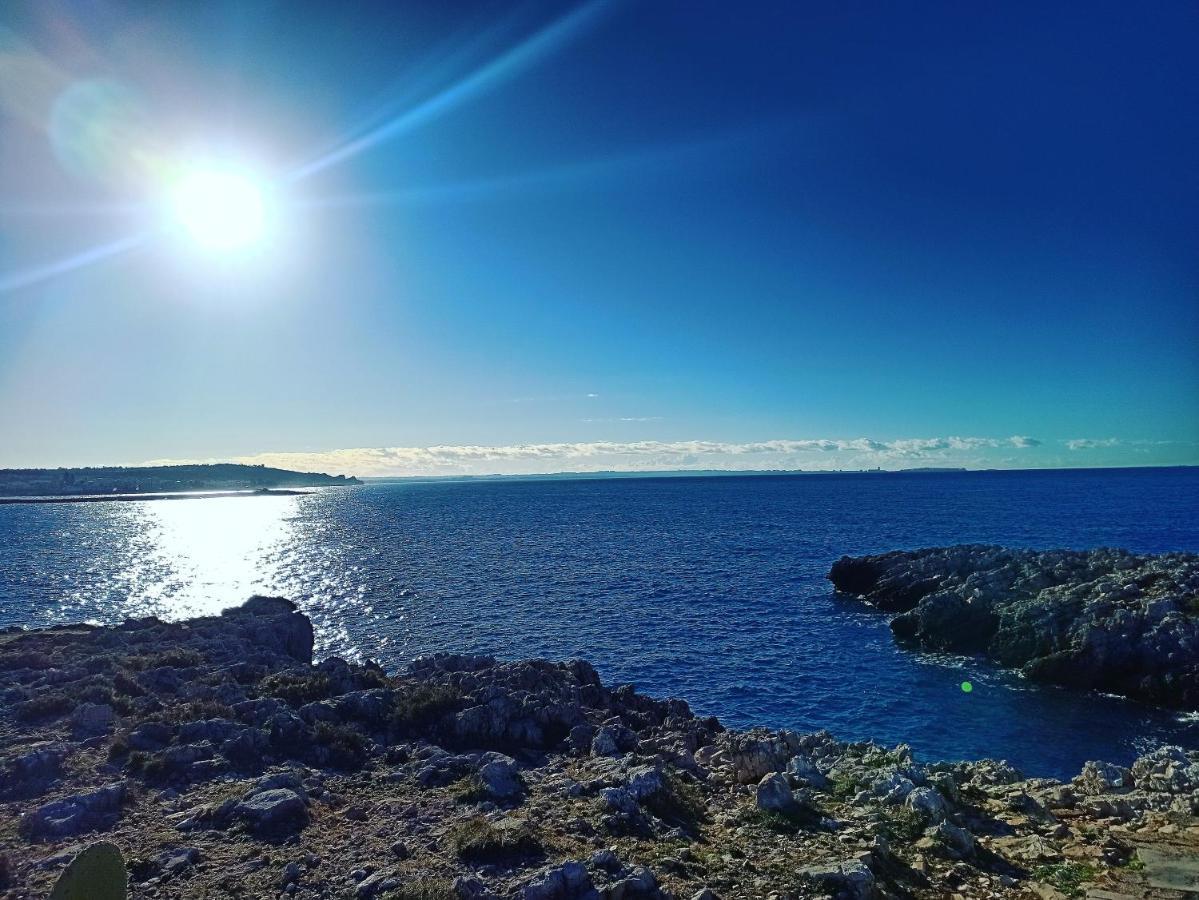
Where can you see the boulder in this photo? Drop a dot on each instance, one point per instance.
(848, 878)
(958, 843)
(150, 736)
(92, 811)
(27, 773)
(774, 794)
(1103, 778)
(92, 719)
(620, 801)
(802, 769)
(501, 779)
(926, 803)
(645, 781)
(276, 811)
(565, 882)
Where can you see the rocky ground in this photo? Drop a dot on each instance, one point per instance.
(1103, 619)
(225, 764)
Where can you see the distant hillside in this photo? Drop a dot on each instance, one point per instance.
(157, 479)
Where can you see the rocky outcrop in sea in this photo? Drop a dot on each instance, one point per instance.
(1103, 619)
(223, 762)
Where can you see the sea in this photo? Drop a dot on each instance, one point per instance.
(709, 588)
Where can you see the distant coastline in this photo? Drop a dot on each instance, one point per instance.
(177, 495)
(746, 473)
(146, 482)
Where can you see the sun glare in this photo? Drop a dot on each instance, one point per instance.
(219, 210)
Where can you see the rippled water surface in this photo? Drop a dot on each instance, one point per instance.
(711, 589)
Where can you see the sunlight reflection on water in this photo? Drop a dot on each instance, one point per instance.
(197, 557)
(215, 549)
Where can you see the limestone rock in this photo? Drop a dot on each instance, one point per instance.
(91, 811)
(274, 811)
(849, 878)
(1100, 619)
(501, 779)
(774, 794)
(92, 719)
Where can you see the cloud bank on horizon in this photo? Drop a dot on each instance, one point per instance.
(812, 454)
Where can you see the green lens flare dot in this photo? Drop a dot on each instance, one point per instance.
(967, 687)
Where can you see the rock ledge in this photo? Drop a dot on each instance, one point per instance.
(1103, 619)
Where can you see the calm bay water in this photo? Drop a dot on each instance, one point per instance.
(711, 589)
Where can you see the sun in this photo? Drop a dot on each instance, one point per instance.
(219, 210)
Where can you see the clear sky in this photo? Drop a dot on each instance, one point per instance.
(538, 237)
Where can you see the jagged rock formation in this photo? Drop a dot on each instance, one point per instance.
(1102, 619)
(223, 762)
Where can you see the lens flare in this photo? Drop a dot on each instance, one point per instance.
(99, 132)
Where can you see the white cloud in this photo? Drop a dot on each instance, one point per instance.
(808, 453)
(1092, 443)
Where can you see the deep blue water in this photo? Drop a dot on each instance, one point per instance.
(711, 589)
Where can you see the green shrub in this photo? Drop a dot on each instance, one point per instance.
(469, 789)
(196, 711)
(347, 749)
(478, 840)
(296, 688)
(373, 678)
(93, 693)
(782, 822)
(24, 659)
(150, 766)
(1067, 877)
(902, 825)
(45, 706)
(119, 746)
(418, 707)
(844, 787)
(124, 682)
(680, 803)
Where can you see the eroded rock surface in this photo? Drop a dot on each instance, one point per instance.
(1101, 619)
(225, 763)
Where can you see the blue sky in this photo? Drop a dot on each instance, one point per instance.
(568, 236)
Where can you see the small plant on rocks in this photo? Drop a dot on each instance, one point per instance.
(44, 707)
(844, 786)
(419, 706)
(1067, 877)
(197, 711)
(347, 749)
(469, 789)
(902, 825)
(479, 840)
(296, 689)
(680, 803)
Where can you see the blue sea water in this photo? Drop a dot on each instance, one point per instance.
(708, 588)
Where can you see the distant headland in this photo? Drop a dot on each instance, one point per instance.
(143, 481)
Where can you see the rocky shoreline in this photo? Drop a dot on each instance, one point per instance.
(224, 763)
(1102, 619)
